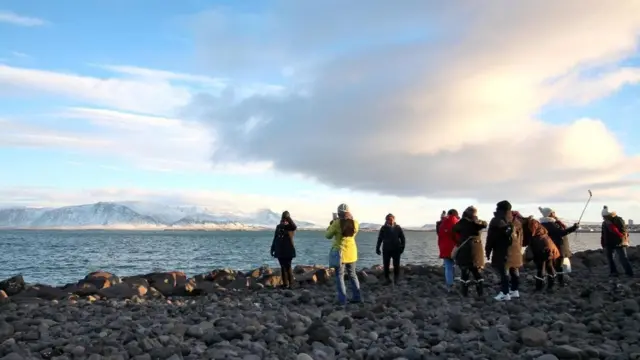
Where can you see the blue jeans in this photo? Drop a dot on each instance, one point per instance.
(449, 270)
(509, 280)
(350, 269)
(621, 253)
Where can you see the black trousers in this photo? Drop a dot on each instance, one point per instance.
(545, 268)
(387, 256)
(286, 271)
(557, 264)
(477, 276)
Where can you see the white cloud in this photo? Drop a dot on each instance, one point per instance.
(316, 206)
(148, 142)
(448, 113)
(15, 19)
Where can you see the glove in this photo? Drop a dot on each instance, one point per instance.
(577, 225)
(273, 253)
(378, 251)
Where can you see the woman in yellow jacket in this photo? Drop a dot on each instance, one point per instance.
(344, 252)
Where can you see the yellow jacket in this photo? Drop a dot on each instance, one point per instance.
(347, 245)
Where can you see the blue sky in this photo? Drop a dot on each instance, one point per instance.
(99, 101)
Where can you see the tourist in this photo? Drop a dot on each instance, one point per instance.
(391, 238)
(544, 250)
(470, 254)
(446, 242)
(284, 249)
(442, 215)
(558, 232)
(344, 252)
(504, 248)
(615, 239)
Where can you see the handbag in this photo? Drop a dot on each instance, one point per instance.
(566, 265)
(335, 258)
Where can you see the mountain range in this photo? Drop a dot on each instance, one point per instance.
(135, 215)
(139, 216)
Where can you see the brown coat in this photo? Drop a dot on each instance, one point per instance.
(471, 252)
(504, 241)
(537, 237)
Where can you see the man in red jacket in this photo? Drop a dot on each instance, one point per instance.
(446, 242)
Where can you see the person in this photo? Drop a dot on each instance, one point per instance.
(343, 230)
(504, 248)
(614, 239)
(558, 232)
(446, 242)
(470, 256)
(284, 249)
(442, 216)
(544, 250)
(391, 238)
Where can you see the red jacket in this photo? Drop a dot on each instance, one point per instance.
(447, 239)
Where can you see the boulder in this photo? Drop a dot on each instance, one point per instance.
(170, 283)
(271, 280)
(136, 280)
(82, 288)
(308, 277)
(323, 276)
(13, 285)
(301, 269)
(45, 292)
(100, 279)
(123, 291)
(3, 295)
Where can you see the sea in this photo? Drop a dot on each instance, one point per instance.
(57, 257)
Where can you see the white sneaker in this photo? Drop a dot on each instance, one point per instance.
(514, 294)
(502, 297)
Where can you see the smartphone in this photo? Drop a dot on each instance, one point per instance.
(335, 216)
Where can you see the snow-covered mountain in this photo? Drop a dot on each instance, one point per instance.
(139, 215)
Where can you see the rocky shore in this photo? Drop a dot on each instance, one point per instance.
(230, 315)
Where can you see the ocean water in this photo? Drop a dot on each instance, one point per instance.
(59, 257)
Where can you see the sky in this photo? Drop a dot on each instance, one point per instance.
(301, 106)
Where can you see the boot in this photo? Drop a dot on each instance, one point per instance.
(465, 289)
(539, 283)
(550, 282)
(480, 288)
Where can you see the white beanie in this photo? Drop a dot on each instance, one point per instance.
(545, 211)
(343, 208)
(606, 212)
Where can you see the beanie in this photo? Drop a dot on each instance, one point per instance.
(546, 211)
(503, 205)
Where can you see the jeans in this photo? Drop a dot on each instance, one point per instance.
(545, 267)
(621, 253)
(286, 271)
(448, 272)
(510, 280)
(464, 277)
(350, 270)
(386, 262)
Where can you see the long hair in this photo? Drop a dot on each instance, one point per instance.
(347, 226)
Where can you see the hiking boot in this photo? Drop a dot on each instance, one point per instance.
(502, 297)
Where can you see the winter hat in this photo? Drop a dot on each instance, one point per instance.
(545, 211)
(390, 216)
(343, 208)
(503, 205)
(285, 215)
(469, 211)
(606, 212)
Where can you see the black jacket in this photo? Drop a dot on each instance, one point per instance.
(391, 238)
(610, 238)
(558, 234)
(282, 246)
(504, 241)
(471, 252)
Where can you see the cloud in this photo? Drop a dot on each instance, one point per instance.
(155, 97)
(15, 19)
(147, 142)
(443, 103)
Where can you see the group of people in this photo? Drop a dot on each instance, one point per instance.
(460, 243)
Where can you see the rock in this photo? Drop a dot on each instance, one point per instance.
(12, 285)
(567, 352)
(3, 295)
(100, 279)
(170, 283)
(459, 323)
(123, 291)
(271, 280)
(547, 357)
(630, 306)
(6, 330)
(43, 292)
(303, 356)
(308, 277)
(13, 356)
(319, 332)
(533, 337)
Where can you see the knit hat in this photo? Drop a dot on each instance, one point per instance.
(390, 215)
(606, 212)
(503, 205)
(545, 211)
(469, 211)
(343, 208)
